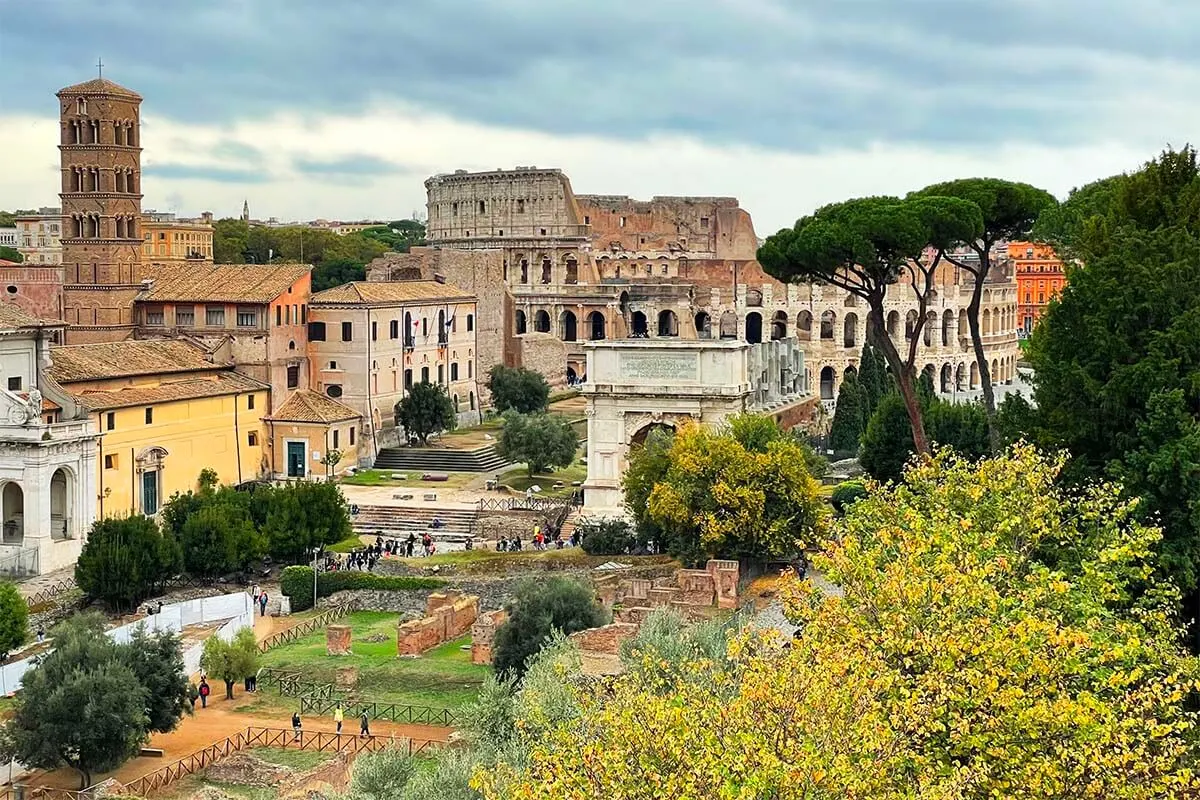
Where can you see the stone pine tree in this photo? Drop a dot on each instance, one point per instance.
(1009, 211)
(865, 247)
(425, 410)
(848, 418)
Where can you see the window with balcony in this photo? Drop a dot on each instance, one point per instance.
(214, 316)
(247, 317)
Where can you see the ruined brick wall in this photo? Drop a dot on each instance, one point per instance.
(547, 354)
(695, 593)
(600, 648)
(483, 634)
(337, 640)
(700, 225)
(448, 615)
(524, 202)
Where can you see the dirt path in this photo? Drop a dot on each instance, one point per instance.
(209, 725)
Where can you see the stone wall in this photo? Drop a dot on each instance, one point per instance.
(407, 602)
(547, 354)
(695, 593)
(600, 648)
(448, 615)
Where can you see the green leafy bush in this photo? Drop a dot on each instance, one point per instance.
(297, 584)
(611, 536)
(538, 609)
(846, 493)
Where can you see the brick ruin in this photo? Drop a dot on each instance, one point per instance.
(337, 640)
(695, 593)
(483, 633)
(448, 615)
(600, 648)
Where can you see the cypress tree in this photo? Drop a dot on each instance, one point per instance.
(849, 418)
(873, 378)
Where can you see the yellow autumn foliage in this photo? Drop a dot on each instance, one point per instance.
(1025, 654)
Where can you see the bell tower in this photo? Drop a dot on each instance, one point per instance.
(101, 159)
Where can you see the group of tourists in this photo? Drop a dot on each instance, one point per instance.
(540, 541)
(364, 723)
(259, 596)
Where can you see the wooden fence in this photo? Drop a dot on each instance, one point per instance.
(320, 741)
(300, 630)
(322, 698)
(52, 591)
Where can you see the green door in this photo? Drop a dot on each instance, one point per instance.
(295, 459)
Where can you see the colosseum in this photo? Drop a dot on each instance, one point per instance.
(553, 269)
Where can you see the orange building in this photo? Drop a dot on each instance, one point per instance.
(1040, 277)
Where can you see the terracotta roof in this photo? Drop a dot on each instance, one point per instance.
(387, 292)
(99, 86)
(83, 362)
(227, 283)
(218, 385)
(308, 406)
(4, 262)
(13, 316)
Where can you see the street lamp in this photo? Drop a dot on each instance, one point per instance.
(316, 552)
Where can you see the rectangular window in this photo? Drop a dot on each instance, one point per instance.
(150, 493)
(316, 331)
(441, 374)
(110, 462)
(408, 379)
(704, 222)
(424, 374)
(214, 316)
(520, 206)
(335, 440)
(347, 331)
(185, 317)
(247, 317)
(454, 371)
(374, 331)
(287, 315)
(293, 376)
(110, 421)
(250, 402)
(154, 315)
(470, 322)
(149, 416)
(252, 439)
(14, 384)
(482, 207)
(394, 329)
(333, 365)
(351, 435)
(278, 316)
(303, 315)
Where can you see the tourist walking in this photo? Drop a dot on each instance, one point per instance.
(41, 634)
(204, 691)
(364, 727)
(295, 726)
(337, 717)
(262, 604)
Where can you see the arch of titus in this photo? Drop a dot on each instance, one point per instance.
(635, 385)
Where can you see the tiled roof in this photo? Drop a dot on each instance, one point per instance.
(84, 362)
(386, 292)
(309, 406)
(99, 86)
(218, 385)
(227, 283)
(13, 316)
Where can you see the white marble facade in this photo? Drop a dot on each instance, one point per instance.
(635, 385)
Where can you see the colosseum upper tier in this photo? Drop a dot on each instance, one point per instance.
(553, 269)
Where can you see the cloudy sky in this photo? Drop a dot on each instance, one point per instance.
(310, 108)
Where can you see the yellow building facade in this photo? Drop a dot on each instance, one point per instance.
(164, 413)
(168, 240)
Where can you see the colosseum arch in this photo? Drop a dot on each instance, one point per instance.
(947, 328)
(595, 322)
(974, 376)
(828, 320)
(703, 325)
(985, 322)
(931, 321)
(728, 328)
(754, 326)
(779, 324)
(910, 324)
(640, 327)
(964, 327)
(947, 382)
(520, 322)
(828, 383)
(570, 268)
(541, 321)
(569, 326)
(754, 298)
(850, 330)
(960, 377)
(804, 326)
(668, 323)
(893, 324)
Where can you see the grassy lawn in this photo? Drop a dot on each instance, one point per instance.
(377, 477)
(347, 545)
(443, 677)
(487, 562)
(299, 760)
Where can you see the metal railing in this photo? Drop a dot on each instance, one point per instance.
(59, 587)
(20, 564)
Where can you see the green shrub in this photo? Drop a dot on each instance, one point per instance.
(538, 609)
(846, 493)
(606, 537)
(297, 583)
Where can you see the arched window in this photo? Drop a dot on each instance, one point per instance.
(828, 320)
(703, 325)
(779, 324)
(520, 322)
(668, 323)
(569, 325)
(754, 327)
(596, 326)
(541, 322)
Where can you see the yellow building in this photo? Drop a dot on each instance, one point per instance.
(164, 413)
(306, 429)
(171, 241)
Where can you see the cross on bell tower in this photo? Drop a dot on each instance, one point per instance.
(100, 68)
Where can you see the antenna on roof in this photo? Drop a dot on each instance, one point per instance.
(100, 67)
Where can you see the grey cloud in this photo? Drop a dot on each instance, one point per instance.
(780, 73)
(183, 172)
(347, 166)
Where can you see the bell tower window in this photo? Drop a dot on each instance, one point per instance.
(81, 106)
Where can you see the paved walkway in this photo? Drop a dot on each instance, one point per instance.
(30, 587)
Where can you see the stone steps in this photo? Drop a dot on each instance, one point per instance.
(436, 459)
(399, 521)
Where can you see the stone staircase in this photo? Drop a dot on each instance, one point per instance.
(399, 521)
(439, 459)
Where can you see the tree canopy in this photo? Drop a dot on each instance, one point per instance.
(14, 619)
(425, 410)
(957, 661)
(538, 609)
(864, 247)
(518, 389)
(231, 661)
(124, 560)
(540, 441)
(742, 490)
(11, 254)
(887, 443)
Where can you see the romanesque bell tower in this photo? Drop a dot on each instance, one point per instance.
(102, 209)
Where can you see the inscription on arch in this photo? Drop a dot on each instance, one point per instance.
(661, 366)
